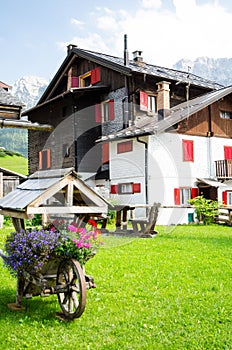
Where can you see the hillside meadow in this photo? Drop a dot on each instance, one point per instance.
(15, 163)
(168, 292)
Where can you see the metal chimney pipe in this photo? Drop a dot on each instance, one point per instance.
(126, 56)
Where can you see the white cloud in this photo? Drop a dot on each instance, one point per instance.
(107, 23)
(76, 22)
(189, 30)
(148, 4)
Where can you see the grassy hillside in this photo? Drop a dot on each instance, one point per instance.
(15, 163)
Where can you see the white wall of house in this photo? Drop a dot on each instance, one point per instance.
(128, 167)
(166, 171)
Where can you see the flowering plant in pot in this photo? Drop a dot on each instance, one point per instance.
(28, 251)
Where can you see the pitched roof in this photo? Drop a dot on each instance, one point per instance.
(148, 69)
(117, 64)
(8, 99)
(42, 185)
(150, 125)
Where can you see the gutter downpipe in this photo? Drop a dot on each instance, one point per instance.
(146, 167)
(209, 135)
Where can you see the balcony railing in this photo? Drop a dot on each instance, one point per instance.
(223, 168)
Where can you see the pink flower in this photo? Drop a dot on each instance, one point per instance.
(72, 228)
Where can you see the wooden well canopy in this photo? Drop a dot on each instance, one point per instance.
(59, 192)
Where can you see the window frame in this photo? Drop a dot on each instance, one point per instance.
(83, 77)
(183, 198)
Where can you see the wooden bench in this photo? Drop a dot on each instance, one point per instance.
(224, 216)
(145, 226)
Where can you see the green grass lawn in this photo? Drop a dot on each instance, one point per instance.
(173, 291)
(15, 163)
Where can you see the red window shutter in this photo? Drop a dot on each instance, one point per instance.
(177, 196)
(98, 116)
(227, 152)
(111, 110)
(188, 154)
(40, 161)
(194, 192)
(45, 159)
(75, 82)
(136, 187)
(114, 189)
(143, 101)
(105, 153)
(95, 75)
(224, 197)
(123, 147)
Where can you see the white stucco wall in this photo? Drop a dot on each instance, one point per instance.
(166, 171)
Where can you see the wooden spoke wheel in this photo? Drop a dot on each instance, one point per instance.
(72, 293)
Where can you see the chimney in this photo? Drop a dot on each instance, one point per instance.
(126, 55)
(163, 99)
(137, 58)
(70, 47)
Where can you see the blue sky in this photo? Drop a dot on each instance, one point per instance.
(34, 34)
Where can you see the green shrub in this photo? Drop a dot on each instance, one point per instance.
(206, 209)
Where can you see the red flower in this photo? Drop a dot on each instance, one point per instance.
(92, 222)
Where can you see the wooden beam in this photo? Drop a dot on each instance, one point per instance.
(16, 214)
(67, 210)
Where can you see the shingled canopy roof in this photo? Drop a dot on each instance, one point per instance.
(58, 191)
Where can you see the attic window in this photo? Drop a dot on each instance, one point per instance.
(85, 79)
(226, 115)
(90, 78)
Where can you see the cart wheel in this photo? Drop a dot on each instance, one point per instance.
(73, 299)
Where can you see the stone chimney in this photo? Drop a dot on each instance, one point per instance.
(163, 100)
(137, 58)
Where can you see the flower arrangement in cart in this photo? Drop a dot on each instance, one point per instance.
(29, 250)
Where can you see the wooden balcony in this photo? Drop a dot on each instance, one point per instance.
(223, 169)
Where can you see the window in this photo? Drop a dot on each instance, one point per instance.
(90, 78)
(183, 194)
(147, 102)
(188, 151)
(228, 152)
(125, 188)
(45, 159)
(66, 151)
(152, 104)
(227, 197)
(104, 111)
(225, 115)
(124, 147)
(85, 79)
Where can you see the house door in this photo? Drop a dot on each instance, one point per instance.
(208, 192)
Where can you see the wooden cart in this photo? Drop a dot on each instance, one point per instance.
(64, 277)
